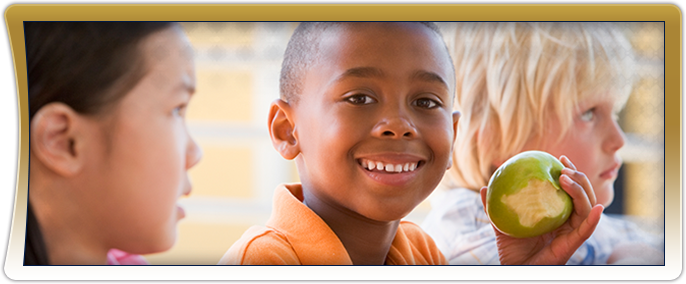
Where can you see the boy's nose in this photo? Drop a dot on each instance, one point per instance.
(395, 128)
(615, 138)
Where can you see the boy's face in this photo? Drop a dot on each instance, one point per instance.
(380, 95)
(591, 143)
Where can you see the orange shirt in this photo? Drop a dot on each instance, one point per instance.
(296, 235)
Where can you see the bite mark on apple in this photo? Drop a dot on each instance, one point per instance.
(538, 200)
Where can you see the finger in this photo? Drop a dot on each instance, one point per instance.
(582, 206)
(564, 246)
(567, 162)
(582, 180)
(587, 227)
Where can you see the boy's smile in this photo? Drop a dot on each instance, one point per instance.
(396, 163)
(392, 168)
(374, 122)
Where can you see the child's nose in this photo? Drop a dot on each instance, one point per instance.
(615, 138)
(396, 128)
(193, 153)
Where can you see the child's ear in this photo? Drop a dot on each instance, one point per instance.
(282, 129)
(456, 119)
(55, 139)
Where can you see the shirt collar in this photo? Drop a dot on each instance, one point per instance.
(311, 238)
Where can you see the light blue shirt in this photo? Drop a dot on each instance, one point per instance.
(459, 226)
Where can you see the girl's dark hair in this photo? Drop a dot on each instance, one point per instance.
(34, 251)
(86, 65)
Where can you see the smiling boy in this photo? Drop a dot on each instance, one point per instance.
(366, 112)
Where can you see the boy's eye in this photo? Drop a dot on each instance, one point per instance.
(360, 99)
(426, 103)
(588, 115)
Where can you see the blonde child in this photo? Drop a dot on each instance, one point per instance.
(109, 147)
(366, 111)
(555, 87)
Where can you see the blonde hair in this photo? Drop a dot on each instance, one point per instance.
(515, 80)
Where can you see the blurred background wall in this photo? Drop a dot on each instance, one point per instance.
(237, 68)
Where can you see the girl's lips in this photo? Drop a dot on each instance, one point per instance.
(180, 212)
(187, 189)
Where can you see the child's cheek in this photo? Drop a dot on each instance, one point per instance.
(439, 136)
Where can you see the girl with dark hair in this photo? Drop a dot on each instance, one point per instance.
(109, 147)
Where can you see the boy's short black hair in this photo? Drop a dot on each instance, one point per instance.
(302, 52)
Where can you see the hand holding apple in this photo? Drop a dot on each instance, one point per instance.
(558, 245)
(524, 196)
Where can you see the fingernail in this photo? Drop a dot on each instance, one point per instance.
(567, 171)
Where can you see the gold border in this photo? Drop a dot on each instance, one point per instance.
(670, 14)
(342, 12)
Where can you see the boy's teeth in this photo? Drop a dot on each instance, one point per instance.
(390, 168)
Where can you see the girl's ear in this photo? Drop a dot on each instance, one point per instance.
(282, 129)
(55, 139)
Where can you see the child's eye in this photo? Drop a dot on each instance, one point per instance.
(360, 99)
(426, 103)
(179, 110)
(588, 115)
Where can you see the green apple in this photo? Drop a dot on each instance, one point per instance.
(524, 197)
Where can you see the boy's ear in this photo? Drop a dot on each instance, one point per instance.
(456, 119)
(282, 129)
(55, 140)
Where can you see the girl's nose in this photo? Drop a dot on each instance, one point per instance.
(193, 153)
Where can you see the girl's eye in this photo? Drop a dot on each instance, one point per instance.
(179, 110)
(426, 103)
(360, 99)
(588, 115)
